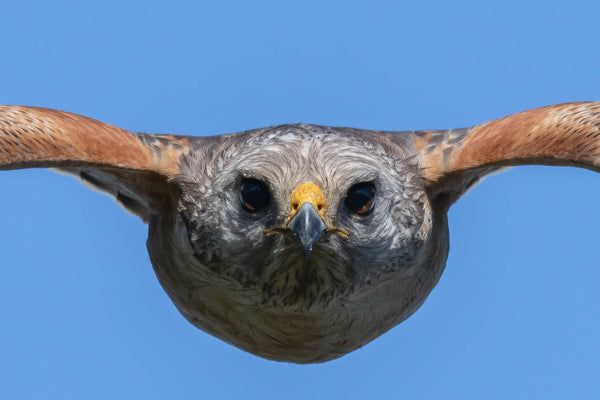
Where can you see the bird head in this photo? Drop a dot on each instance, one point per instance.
(303, 215)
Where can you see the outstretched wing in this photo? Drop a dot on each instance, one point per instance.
(564, 134)
(136, 169)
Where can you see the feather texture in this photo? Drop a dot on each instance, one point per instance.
(242, 274)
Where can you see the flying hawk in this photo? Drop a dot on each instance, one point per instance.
(297, 243)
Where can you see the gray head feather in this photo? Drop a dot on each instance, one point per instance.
(242, 277)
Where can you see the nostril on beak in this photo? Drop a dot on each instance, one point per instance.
(308, 226)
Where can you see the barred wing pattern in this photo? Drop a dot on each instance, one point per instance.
(133, 168)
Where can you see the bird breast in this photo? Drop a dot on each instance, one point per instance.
(263, 321)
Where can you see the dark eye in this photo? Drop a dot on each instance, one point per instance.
(254, 194)
(361, 198)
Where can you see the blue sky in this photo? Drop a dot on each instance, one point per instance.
(516, 314)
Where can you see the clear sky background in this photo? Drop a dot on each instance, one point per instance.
(517, 312)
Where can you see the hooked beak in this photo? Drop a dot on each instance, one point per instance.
(308, 226)
(307, 217)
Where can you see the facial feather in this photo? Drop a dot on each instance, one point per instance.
(284, 157)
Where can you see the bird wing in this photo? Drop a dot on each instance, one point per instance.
(564, 134)
(136, 169)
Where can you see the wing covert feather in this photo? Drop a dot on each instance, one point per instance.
(564, 134)
(133, 168)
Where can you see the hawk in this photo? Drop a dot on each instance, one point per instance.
(297, 243)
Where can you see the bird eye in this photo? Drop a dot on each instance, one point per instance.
(361, 198)
(254, 195)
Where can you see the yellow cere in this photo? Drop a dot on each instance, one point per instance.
(307, 193)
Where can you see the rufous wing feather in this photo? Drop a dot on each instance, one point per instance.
(564, 134)
(135, 169)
